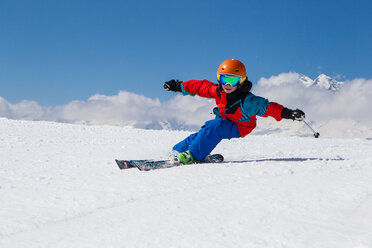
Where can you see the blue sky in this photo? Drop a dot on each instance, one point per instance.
(54, 52)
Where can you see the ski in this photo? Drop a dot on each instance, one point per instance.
(148, 164)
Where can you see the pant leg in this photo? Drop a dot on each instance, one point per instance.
(184, 144)
(202, 143)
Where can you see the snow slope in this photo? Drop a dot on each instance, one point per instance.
(59, 187)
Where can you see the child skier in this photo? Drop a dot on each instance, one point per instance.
(235, 113)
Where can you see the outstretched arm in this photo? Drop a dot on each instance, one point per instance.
(279, 112)
(202, 88)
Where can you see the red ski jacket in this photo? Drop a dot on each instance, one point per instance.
(240, 106)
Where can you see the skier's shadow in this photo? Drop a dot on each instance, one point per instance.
(285, 160)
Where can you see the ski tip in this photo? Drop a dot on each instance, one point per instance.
(123, 164)
(119, 164)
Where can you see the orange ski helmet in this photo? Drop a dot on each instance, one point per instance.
(232, 67)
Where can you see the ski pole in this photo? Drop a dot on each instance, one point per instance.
(316, 134)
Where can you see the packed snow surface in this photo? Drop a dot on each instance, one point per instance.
(60, 187)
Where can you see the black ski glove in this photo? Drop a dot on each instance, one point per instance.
(173, 85)
(297, 114)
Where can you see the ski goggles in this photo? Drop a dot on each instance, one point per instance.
(231, 79)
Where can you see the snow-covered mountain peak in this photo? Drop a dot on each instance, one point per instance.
(322, 81)
(326, 82)
(306, 80)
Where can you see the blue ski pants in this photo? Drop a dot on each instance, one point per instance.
(202, 143)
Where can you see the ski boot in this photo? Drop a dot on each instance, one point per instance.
(186, 157)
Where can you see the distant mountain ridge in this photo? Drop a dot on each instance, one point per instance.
(322, 81)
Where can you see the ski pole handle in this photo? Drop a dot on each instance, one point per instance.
(316, 134)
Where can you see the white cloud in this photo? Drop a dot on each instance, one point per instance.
(281, 79)
(123, 109)
(26, 110)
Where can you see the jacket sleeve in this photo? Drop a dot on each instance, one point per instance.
(203, 88)
(256, 105)
(274, 110)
